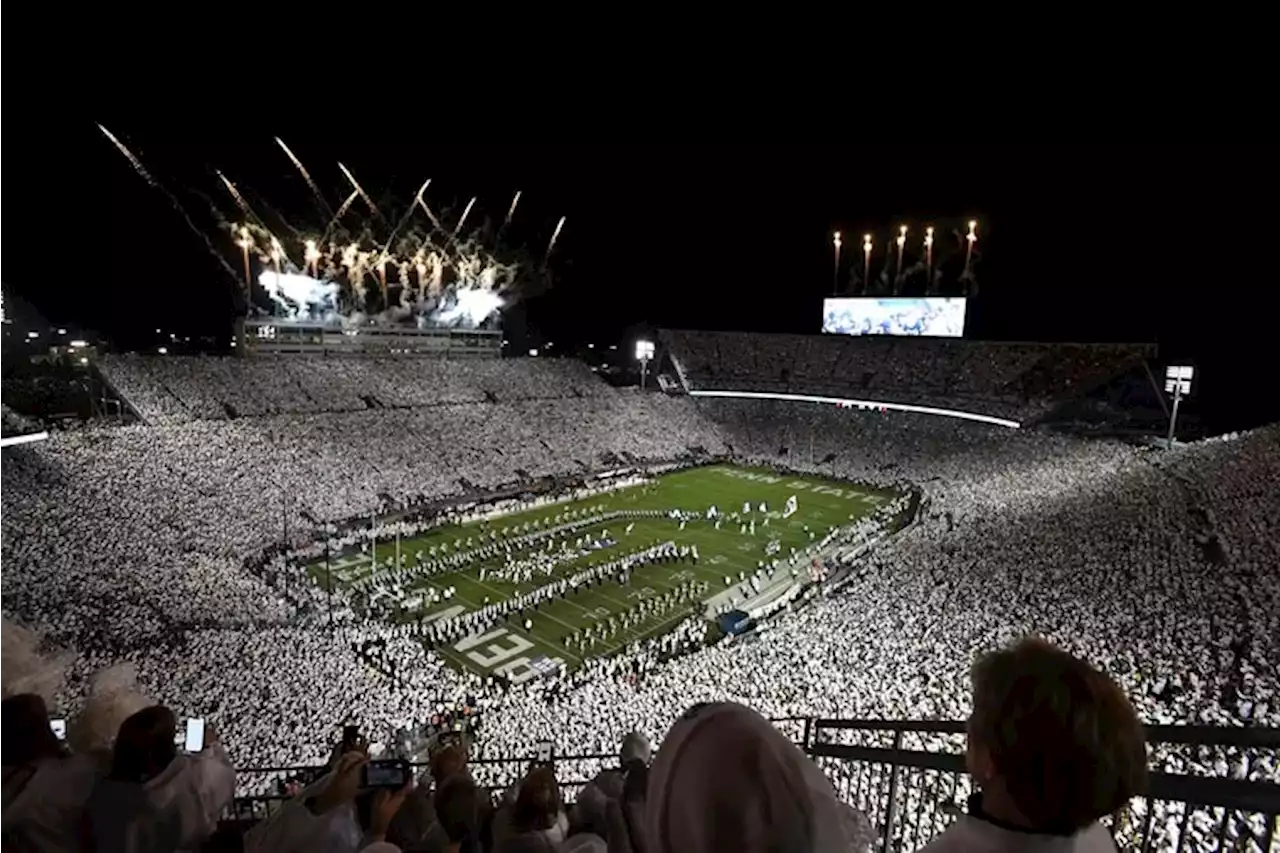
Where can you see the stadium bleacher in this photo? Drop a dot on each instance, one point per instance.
(1009, 380)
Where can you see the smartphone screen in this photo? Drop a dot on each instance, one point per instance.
(195, 734)
(59, 726)
(543, 753)
(388, 773)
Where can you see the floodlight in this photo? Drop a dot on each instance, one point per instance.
(77, 344)
(644, 352)
(33, 334)
(533, 353)
(1178, 379)
(163, 350)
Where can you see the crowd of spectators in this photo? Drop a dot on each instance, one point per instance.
(1053, 747)
(1011, 380)
(167, 390)
(15, 423)
(130, 545)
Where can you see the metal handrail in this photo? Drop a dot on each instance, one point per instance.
(888, 781)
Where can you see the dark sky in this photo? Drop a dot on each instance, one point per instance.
(1147, 243)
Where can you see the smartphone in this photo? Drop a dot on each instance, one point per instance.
(59, 726)
(391, 773)
(350, 735)
(194, 741)
(542, 754)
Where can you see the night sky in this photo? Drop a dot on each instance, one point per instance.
(1096, 243)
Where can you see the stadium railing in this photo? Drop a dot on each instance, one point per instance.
(1210, 788)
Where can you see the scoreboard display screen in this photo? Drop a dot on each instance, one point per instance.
(928, 316)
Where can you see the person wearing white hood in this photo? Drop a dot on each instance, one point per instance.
(45, 787)
(1054, 745)
(154, 799)
(726, 780)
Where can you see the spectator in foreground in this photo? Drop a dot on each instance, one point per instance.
(332, 815)
(727, 780)
(1053, 745)
(457, 815)
(537, 819)
(590, 809)
(154, 798)
(45, 787)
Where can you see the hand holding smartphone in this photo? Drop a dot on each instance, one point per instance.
(194, 741)
(390, 773)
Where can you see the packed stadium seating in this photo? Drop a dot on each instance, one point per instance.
(1011, 380)
(135, 544)
(177, 390)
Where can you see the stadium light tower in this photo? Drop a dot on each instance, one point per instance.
(1177, 381)
(644, 352)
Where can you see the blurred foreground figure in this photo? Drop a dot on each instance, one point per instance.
(727, 780)
(1054, 745)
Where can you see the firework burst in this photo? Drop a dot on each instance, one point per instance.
(353, 272)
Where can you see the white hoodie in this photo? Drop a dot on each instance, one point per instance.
(45, 812)
(176, 810)
(970, 834)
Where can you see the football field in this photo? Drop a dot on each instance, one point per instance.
(562, 539)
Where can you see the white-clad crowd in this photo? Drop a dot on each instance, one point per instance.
(130, 545)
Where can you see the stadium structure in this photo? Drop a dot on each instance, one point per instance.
(511, 534)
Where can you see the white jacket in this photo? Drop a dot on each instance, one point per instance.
(177, 810)
(43, 809)
(971, 834)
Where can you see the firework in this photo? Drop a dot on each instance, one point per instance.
(306, 176)
(364, 195)
(408, 212)
(554, 236)
(156, 185)
(235, 194)
(457, 278)
(458, 227)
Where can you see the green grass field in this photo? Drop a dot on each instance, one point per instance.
(510, 650)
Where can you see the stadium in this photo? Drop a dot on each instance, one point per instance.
(398, 533)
